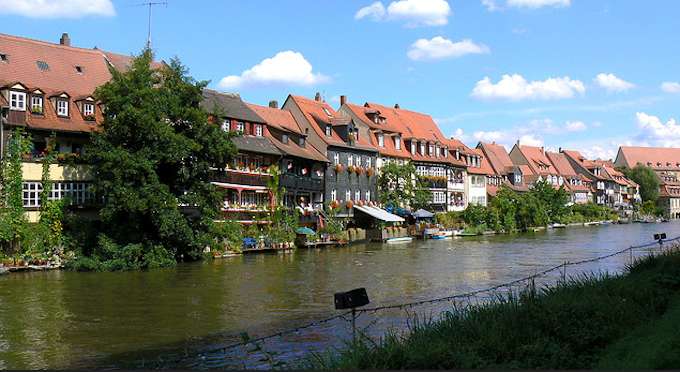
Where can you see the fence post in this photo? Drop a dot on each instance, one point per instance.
(354, 325)
(630, 250)
(564, 272)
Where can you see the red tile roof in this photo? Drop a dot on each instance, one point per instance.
(484, 168)
(658, 158)
(318, 113)
(387, 129)
(277, 118)
(498, 157)
(561, 164)
(538, 161)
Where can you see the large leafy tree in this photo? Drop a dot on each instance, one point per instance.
(399, 185)
(647, 179)
(153, 159)
(554, 201)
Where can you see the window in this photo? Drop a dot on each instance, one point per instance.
(438, 151)
(350, 160)
(518, 178)
(413, 147)
(368, 195)
(329, 130)
(42, 65)
(301, 142)
(422, 148)
(325, 110)
(241, 127)
(79, 69)
(88, 109)
(348, 195)
(258, 130)
(17, 101)
(3, 57)
(31, 194)
(37, 104)
(397, 142)
(381, 140)
(226, 125)
(368, 162)
(357, 195)
(284, 138)
(334, 194)
(62, 107)
(446, 152)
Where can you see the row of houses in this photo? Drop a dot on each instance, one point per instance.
(324, 155)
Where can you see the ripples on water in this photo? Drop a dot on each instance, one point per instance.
(64, 319)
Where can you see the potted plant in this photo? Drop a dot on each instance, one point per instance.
(89, 117)
(349, 204)
(338, 168)
(351, 169)
(360, 170)
(334, 204)
(370, 172)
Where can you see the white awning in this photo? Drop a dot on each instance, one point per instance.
(239, 186)
(380, 214)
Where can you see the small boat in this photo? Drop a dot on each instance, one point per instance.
(665, 220)
(558, 226)
(405, 239)
(606, 223)
(594, 223)
(463, 233)
(441, 236)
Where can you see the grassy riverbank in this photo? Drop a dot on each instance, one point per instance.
(630, 321)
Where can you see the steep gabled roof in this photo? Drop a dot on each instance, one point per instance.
(229, 105)
(561, 164)
(538, 162)
(658, 158)
(484, 168)
(498, 157)
(277, 118)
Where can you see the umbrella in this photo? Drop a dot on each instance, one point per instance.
(305, 231)
(421, 213)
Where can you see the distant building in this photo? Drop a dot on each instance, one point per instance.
(578, 186)
(478, 171)
(666, 164)
(351, 175)
(505, 173)
(47, 88)
(535, 159)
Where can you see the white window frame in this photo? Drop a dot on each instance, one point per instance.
(334, 195)
(368, 195)
(37, 101)
(88, 109)
(226, 125)
(381, 140)
(348, 195)
(336, 159)
(357, 195)
(397, 142)
(413, 147)
(259, 131)
(17, 100)
(31, 194)
(329, 130)
(241, 127)
(284, 138)
(62, 107)
(350, 160)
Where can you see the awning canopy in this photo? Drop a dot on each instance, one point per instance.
(421, 213)
(380, 214)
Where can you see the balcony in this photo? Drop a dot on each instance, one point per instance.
(293, 182)
(242, 178)
(32, 171)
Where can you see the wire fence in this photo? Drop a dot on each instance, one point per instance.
(217, 355)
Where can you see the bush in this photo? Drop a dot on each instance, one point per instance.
(110, 256)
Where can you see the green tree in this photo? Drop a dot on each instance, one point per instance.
(152, 162)
(647, 179)
(554, 201)
(13, 222)
(399, 185)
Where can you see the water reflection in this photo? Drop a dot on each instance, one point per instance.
(63, 319)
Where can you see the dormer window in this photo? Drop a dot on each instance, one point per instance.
(431, 150)
(88, 109)
(258, 130)
(329, 130)
(62, 107)
(284, 138)
(37, 104)
(438, 151)
(240, 127)
(325, 110)
(397, 142)
(17, 101)
(79, 70)
(446, 152)
(301, 141)
(413, 147)
(3, 57)
(422, 148)
(226, 125)
(381, 140)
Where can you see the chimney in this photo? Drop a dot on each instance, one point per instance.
(317, 97)
(396, 106)
(343, 100)
(274, 104)
(559, 150)
(65, 39)
(543, 150)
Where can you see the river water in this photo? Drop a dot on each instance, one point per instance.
(132, 319)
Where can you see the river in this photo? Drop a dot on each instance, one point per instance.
(63, 319)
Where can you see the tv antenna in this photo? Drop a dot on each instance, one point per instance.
(151, 4)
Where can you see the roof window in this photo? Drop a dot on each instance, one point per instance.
(327, 112)
(79, 69)
(3, 57)
(42, 65)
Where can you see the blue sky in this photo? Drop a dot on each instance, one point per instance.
(580, 74)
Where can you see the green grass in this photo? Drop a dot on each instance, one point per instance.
(573, 325)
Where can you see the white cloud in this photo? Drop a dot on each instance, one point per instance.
(57, 8)
(599, 152)
(285, 68)
(670, 87)
(414, 12)
(654, 132)
(613, 83)
(575, 126)
(491, 5)
(441, 48)
(535, 4)
(375, 11)
(516, 88)
(531, 140)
